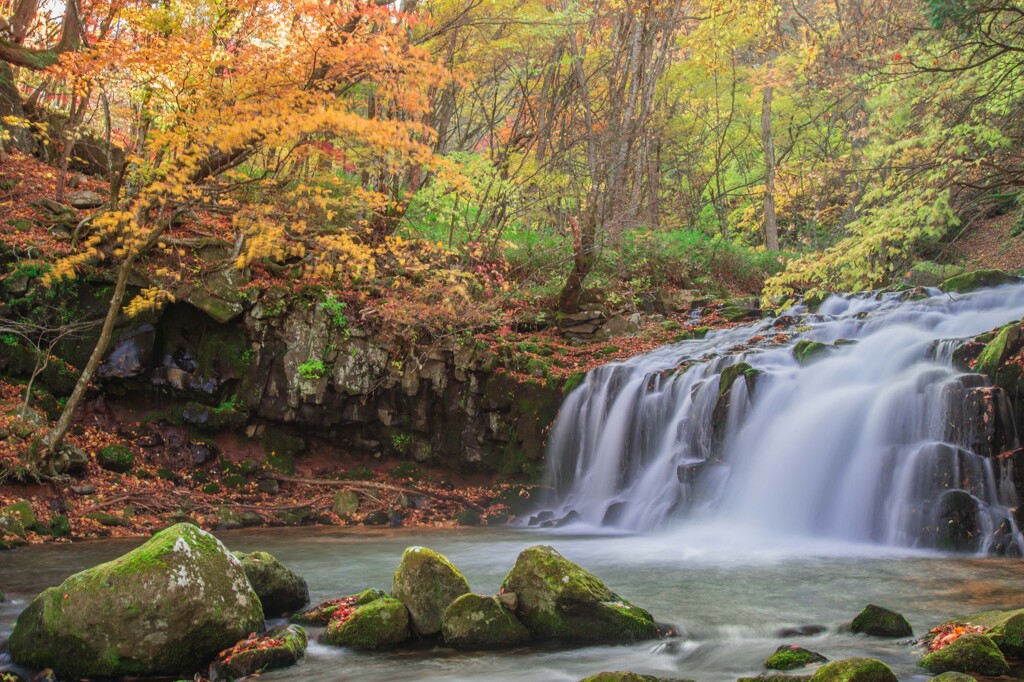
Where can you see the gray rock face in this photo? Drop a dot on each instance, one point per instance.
(427, 583)
(165, 608)
(280, 589)
(85, 199)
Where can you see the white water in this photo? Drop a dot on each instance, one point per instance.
(857, 446)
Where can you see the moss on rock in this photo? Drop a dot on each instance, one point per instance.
(953, 676)
(281, 590)
(854, 670)
(380, 624)
(1005, 628)
(789, 657)
(998, 350)
(322, 613)
(427, 583)
(165, 608)
(560, 600)
(287, 647)
(969, 281)
(806, 350)
(881, 622)
(623, 676)
(474, 621)
(117, 458)
(970, 653)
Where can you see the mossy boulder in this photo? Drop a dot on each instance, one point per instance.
(281, 590)
(953, 676)
(280, 647)
(880, 622)
(16, 519)
(322, 613)
(973, 652)
(806, 350)
(165, 608)
(427, 583)
(380, 624)
(560, 600)
(969, 281)
(623, 676)
(117, 458)
(474, 621)
(228, 518)
(790, 657)
(996, 351)
(931, 274)
(345, 503)
(1005, 628)
(854, 670)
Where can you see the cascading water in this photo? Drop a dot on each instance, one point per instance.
(870, 441)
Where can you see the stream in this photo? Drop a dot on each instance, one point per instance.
(729, 592)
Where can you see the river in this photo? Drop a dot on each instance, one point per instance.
(729, 593)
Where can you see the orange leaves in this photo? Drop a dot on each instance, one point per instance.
(944, 635)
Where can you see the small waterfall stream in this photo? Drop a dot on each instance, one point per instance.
(872, 441)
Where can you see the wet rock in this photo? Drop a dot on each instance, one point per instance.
(854, 670)
(957, 522)
(165, 608)
(806, 350)
(345, 503)
(1005, 628)
(130, 355)
(280, 589)
(540, 518)
(622, 676)
(251, 518)
(1004, 543)
(85, 199)
(978, 279)
(468, 517)
(953, 676)
(78, 459)
(17, 518)
(377, 518)
(560, 600)
(201, 453)
(790, 657)
(322, 614)
(427, 583)
(970, 653)
(280, 647)
(570, 518)
(801, 631)
(880, 622)
(228, 519)
(474, 621)
(380, 624)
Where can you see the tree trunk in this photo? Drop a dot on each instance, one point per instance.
(55, 438)
(771, 230)
(583, 258)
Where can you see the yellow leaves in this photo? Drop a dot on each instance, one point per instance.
(149, 299)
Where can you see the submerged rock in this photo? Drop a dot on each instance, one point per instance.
(806, 350)
(474, 621)
(322, 613)
(281, 590)
(560, 600)
(165, 608)
(379, 624)
(427, 583)
(790, 657)
(970, 653)
(621, 676)
(280, 647)
(854, 670)
(880, 622)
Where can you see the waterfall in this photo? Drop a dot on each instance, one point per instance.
(870, 441)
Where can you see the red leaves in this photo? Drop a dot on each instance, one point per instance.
(944, 635)
(251, 643)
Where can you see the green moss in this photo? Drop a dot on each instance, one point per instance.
(322, 614)
(806, 350)
(60, 526)
(854, 670)
(733, 372)
(427, 583)
(292, 648)
(976, 280)
(380, 624)
(116, 458)
(997, 350)
(881, 622)
(474, 621)
(573, 381)
(791, 657)
(1005, 628)
(970, 653)
(107, 519)
(282, 449)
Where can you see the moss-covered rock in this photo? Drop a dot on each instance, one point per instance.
(969, 281)
(1005, 628)
(560, 600)
(228, 518)
(623, 676)
(973, 652)
(790, 657)
(474, 621)
(117, 458)
(931, 274)
(427, 583)
(16, 519)
(322, 613)
(380, 624)
(998, 350)
(806, 350)
(854, 670)
(280, 647)
(165, 608)
(953, 676)
(881, 622)
(281, 590)
(345, 503)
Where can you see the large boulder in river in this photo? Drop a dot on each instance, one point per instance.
(973, 652)
(380, 624)
(323, 613)
(1005, 628)
(427, 583)
(281, 590)
(165, 608)
(790, 657)
(280, 647)
(854, 670)
(474, 621)
(560, 600)
(881, 622)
